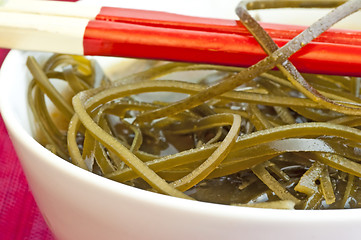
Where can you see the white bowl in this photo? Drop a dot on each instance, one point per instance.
(77, 204)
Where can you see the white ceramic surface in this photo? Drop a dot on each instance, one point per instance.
(79, 205)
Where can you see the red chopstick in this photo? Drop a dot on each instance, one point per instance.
(177, 21)
(109, 31)
(167, 36)
(138, 41)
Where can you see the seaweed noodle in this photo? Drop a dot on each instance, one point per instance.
(251, 137)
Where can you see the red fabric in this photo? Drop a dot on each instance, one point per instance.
(19, 215)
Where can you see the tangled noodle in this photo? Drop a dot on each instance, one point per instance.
(242, 136)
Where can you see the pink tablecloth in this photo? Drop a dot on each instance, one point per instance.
(19, 216)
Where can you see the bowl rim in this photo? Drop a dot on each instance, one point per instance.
(195, 207)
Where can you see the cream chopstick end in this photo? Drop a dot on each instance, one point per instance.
(42, 33)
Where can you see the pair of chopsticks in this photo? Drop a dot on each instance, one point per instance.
(75, 28)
